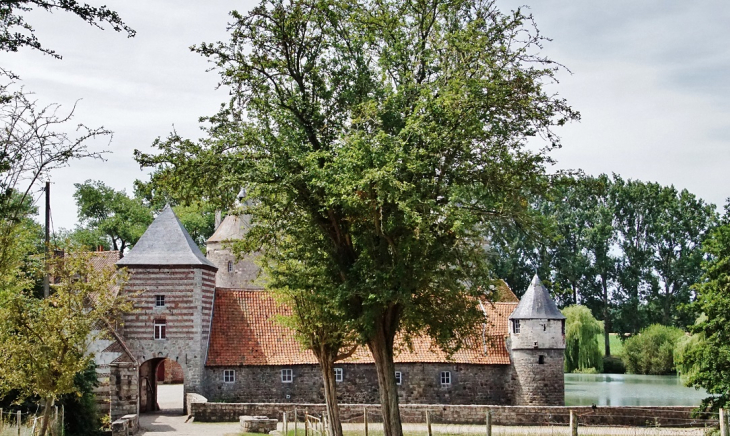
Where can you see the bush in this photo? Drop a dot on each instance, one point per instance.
(582, 350)
(613, 365)
(652, 350)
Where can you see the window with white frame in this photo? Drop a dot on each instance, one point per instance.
(445, 378)
(159, 301)
(229, 376)
(160, 329)
(398, 378)
(516, 326)
(286, 376)
(339, 375)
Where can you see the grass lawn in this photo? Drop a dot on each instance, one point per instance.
(615, 341)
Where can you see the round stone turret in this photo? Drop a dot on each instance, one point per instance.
(537, 347)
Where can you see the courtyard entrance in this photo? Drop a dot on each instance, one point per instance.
(154, 374)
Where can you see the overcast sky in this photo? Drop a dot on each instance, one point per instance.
(651, 80)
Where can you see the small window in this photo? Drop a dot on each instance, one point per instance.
(159, 301)
(541, 359)
(398, 378)
(230, 266)
(160, 329)
(563, 326)
(516, 326)
(229, 376)
(286, 376)
(338, 375)
(445, 378)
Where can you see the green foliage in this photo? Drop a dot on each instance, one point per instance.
(704, 359)
(381, 143)
(16, 32)
(199, 220)
(43, 342)
(112, 213)
(582, 350)
(613, 365)
(81, 412)
(652, 350)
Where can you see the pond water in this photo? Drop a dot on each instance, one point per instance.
(629, 390)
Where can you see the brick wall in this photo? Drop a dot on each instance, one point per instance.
(188, 293)
(459, 414)
(470, 384)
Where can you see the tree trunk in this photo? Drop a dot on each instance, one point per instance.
(606, 320)
(381, 347)
(46, 416)
(330, 394)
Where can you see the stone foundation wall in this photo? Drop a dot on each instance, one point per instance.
(538, 377)
(124, 389)
(460, 414)
(470, 384)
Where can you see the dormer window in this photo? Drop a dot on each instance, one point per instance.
(516, 326)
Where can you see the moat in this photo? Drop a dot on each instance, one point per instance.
(629, 390)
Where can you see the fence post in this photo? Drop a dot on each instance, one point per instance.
(18, 418)
(325, 426)
(296, 421)
(489, 422)
(63, 420)
(723, 423)
(573, 424)
(365, 419)
(284, 425)
(306, 422)
(428, 422)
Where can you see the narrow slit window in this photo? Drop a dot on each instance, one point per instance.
(230, 266)
(229, 376)
(339, 375)
(286, 376)
(445, 378)
(541, 359)
(398, 378)
(160, 329)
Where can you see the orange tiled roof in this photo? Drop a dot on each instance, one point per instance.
(104, 259)
(245, 332)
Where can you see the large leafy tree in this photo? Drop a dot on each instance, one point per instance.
(113, 213)
(43, 342)
(387, 138)
(582, 350)
(704, 359)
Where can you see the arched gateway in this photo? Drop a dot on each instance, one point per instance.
(171, 285)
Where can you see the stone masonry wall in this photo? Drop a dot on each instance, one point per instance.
(470, 384)
(244, 272)
(535, 383)
(459, 414)
(124, 389)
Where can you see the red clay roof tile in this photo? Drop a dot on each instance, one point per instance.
(245, 332)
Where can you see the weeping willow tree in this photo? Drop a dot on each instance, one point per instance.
(582, 331)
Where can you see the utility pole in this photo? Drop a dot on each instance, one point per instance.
(46, 278)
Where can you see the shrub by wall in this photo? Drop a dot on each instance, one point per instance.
(652, 350)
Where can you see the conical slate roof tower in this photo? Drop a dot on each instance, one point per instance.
(165, 242)
(536, 303)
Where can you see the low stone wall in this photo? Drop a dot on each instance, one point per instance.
(127, 425)
(194, 398)
(460, 414)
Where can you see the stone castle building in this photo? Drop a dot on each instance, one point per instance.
(210, 316)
